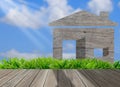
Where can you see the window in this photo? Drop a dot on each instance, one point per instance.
(98, 52)
(69, 49)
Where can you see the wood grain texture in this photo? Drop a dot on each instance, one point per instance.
(84, 18)
(51, 78)
(63, 80)
(12, 82)
(59, 78)
(102, 78)
(26, 82)
(40, 79)
(74, 78)
(4, 72)
(87, 39)
(88, 82)
(10, 76)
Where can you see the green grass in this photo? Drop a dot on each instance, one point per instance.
(50, 63)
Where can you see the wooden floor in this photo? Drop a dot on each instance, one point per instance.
(59, 78)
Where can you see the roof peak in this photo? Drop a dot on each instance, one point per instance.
(84, 18)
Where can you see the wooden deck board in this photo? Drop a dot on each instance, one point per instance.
(59, 78)
(51, 78)
(109, 78)
(115, 74)
(25, 82)
(63, 80)
(97, 78)
(12, 82)
(4, 72)
(87, 80)
(102, 78)
(74, 78)
(8, 77)
(40, 79)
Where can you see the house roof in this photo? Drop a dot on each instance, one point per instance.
(84, 18)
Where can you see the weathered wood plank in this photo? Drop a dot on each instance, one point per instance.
(40, 79)
(26, 82)
(25, 79)
(83, 18)
(63, 80)
(4, 72)
(9, 76)
(60, 78)
(109, 77)
(88, 81)
(12, 82)
(97, 77)
(117, 71)
(113, 74)
(74, 78)
(51, 80)
(102, 78)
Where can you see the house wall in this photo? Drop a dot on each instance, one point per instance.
(86, 41)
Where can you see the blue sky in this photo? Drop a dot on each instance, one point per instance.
(24, 30)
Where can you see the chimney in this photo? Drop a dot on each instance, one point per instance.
(104, 15)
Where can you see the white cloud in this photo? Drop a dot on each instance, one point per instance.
(69, 46)
(23, 19)
(14, 53)
(66, 49)
(58, 9)
(23, 16)
(69, 55)
(100, 5)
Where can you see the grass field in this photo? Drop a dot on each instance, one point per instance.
(50, 63)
